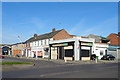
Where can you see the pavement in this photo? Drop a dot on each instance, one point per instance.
(59, 69)
(71, 62)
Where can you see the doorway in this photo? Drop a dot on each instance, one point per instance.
(61, 52)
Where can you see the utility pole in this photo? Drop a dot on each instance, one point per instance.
(20, 43)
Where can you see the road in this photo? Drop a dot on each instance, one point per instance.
(50, 69)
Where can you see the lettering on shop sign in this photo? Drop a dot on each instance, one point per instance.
(64, 44)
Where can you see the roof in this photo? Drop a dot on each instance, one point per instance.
(96, 36)
(19, 43)
(103, 37)
(44, 36)
(101, 43)
(72, 35)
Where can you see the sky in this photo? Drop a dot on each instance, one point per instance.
(24, 19)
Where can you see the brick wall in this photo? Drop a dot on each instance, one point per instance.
(114, 40)
(17, 52)
(62, 35)
(17, 49)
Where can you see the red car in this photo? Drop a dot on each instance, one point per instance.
(1, 56)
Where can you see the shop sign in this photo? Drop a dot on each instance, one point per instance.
(28, 47)
(63, 44)
(86, 43)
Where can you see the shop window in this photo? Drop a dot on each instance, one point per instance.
(101, 52)
(69, 53)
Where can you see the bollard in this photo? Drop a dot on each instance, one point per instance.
(65, 60)
(96, 60)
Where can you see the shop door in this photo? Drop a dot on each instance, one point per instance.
(61, 53)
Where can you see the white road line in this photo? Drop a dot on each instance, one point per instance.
(51, 74)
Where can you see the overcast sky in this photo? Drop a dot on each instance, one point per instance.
(77, 18)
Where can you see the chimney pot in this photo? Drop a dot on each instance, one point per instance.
(118, 33)
(35, 36)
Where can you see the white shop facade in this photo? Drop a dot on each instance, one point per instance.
(100, 49)
(76, 48)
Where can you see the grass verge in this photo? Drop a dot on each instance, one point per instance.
(10, 63)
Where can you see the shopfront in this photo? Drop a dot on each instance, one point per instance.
(62, 50)
(71, 49)
(85, 50)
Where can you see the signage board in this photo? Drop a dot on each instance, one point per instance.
(62, 44)
(28, 47)
(87, 44)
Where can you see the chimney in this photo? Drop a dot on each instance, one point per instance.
(53, 30)
(35, 36)
(118, 33)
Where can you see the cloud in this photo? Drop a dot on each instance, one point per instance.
(28, 29)
(103, 28)
(38, 23)
(77, 28)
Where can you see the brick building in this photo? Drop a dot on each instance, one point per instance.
(114, 39)
(18, 49)
(114, 45)
(39, 45)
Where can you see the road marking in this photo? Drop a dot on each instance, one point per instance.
(51, 74)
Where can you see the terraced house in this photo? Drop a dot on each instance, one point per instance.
(38, 46)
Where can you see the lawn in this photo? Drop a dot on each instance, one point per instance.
(10, 63)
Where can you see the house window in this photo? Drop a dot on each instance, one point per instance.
(45, 42)
(35, 43)
(38, 43)
(101, 52)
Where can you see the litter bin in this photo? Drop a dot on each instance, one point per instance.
(97, 57)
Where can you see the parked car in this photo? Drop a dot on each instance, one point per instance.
(1, 56)
(93, 56)
(108, 57)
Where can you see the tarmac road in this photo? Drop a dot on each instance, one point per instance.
(49, 69)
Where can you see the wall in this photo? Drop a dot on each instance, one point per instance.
(118, 53)
(39, 45)
(62, 35)
(17, 49)
(16, 52)
(53, 53)
(114, 40)
(99, 47)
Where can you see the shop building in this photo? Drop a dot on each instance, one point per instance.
(76, 48)
(100, 49)
(114, 45)
(19, 49)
